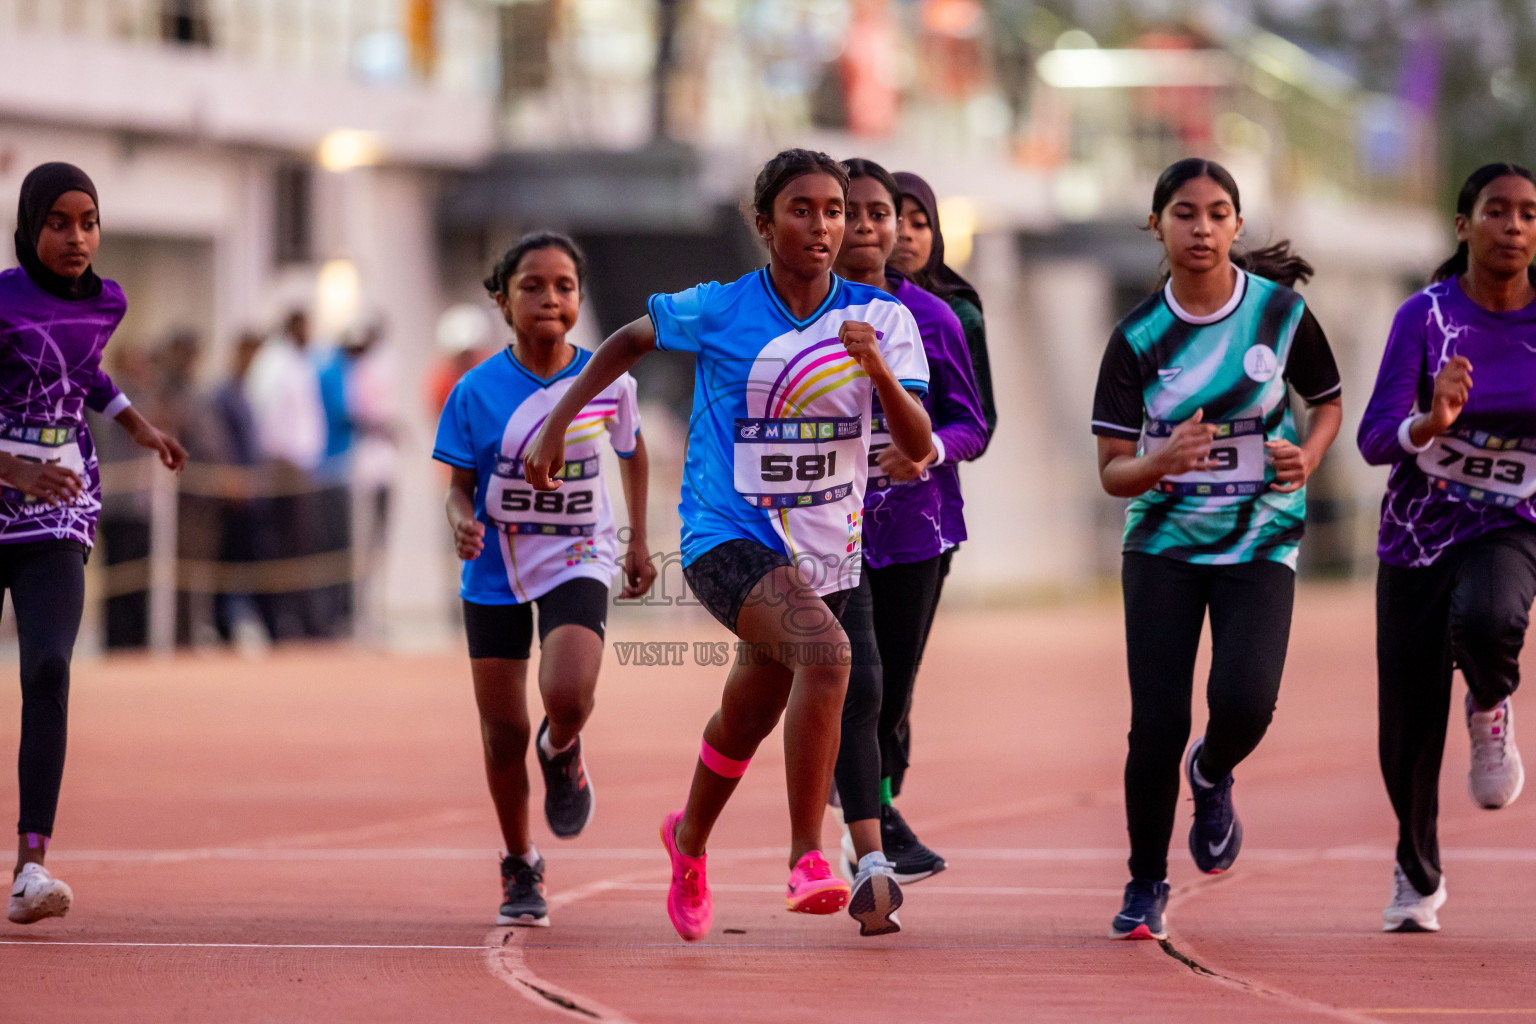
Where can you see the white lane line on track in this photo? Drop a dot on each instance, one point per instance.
(1514, 855)
(508, 962)
(224, 945)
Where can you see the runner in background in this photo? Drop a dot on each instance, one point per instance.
(919, 255)
(789, 360)
(904, 538)
(56, 315)
(1454, 414)
(1194, 424)
(523, 548)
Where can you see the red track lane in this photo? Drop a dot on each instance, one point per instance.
(308, 838)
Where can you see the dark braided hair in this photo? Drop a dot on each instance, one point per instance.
(1466, 199)
(1276, 262)
(505, 267)
(785, 168)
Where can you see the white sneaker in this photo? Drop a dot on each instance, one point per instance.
(36, 894)
(1409, 911)
(1497, 776)
(876, 896)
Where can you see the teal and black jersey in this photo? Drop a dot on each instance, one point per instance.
(1163, 364)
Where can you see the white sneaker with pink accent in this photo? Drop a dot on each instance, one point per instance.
(1497, 776)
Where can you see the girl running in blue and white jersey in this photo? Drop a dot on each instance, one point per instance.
(789, 359)
(523, 548)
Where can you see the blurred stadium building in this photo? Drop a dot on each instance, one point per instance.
(376, 155)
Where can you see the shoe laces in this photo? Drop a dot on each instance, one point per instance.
(1491, 736)
(690, 883)
(813, 867)
(518, 873)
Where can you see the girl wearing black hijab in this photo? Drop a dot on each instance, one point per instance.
(56, 315)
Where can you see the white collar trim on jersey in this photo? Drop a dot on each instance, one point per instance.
(1210, 318)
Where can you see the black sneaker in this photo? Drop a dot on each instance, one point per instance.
(1216, 836)
(568, 799)
(522, 890)
(914, 861)
(1142, 915)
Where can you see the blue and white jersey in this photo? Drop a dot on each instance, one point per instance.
(778, 444)
(535, 540)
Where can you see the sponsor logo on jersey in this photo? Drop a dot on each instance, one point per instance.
(1260, 364)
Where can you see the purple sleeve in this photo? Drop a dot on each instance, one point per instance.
(958, 420)
(101, 393)
(1403, 368)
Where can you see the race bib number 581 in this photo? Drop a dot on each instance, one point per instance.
(795, 463)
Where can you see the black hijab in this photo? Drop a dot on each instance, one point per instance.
(936, 275)
(39, 191)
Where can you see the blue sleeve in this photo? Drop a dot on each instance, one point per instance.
(453, 444)
(678, 316)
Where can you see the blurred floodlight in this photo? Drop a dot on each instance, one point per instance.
(1076, 39)
(337, 294)
(957, 214)
(1132, 69)
(463, 328)
(346, 148)
(382, 57)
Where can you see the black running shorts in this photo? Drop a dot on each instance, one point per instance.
(506, 630)
(722, 578)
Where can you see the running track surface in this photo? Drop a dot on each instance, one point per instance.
(308, 838)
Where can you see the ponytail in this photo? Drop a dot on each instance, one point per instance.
(1277, 262)
(1466, 199)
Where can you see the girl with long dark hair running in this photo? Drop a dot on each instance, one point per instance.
(56, 315)
(1194, 424)
(1454, 414)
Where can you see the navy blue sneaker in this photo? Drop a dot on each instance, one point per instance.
(1216, 836)
(568, 797)
(522, 893)
(1142, 915)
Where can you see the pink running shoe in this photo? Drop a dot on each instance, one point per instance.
(689, 903)
(813, 889)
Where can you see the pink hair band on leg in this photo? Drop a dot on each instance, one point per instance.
(721, 765)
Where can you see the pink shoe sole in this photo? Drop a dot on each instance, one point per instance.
(828, 898)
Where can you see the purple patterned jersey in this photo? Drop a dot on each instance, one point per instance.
(50, 373)
(1481, 474)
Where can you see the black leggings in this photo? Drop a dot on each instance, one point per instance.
(906, 595)
(1469, 610)
(857, 771)
(47, 584)
(1165, 606)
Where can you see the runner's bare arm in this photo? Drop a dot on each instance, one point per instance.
(146, 435)
(905, 417)
(1124, 474)
(1452, 385)
(634, 476)
(613, 358)
(468, 532)
(1294, 464)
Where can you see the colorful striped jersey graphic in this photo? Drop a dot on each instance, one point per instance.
(778, 443)
(535, 540)
(1163, 364)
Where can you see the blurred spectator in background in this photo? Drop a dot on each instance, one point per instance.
(464, 340)
(244, 512)
(283, 388)
(123, 530)
(357, 383)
